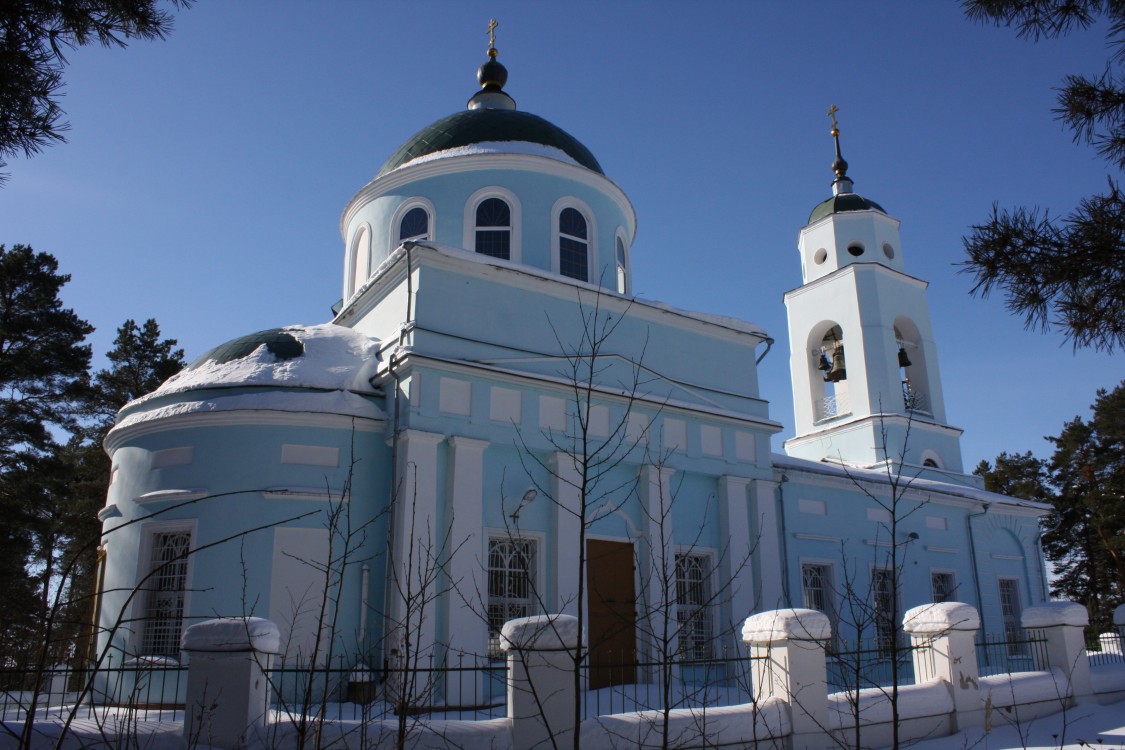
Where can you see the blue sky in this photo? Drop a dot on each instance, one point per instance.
(205, 175)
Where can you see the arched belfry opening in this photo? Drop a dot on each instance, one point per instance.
(828, 372)
(913, 372)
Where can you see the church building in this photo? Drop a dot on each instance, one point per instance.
(494, 426)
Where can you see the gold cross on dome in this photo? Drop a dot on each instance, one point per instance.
(832, 110)
(492, 33)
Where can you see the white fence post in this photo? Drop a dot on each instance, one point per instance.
(541, 690)
(943, 637)
(787, 649)
(1063, 624)
(227, 691)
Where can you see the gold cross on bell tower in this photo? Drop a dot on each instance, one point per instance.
(492, 24)
(832, 110)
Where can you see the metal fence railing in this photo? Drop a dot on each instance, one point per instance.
(1015, 650)
(465, 687)
(1105, 648)
(862, 665)
(146, 687)
(622, 684)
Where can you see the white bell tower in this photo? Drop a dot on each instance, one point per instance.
(866, 389)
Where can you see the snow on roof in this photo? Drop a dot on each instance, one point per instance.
(330, 374)
(494, 147)
(334, 358)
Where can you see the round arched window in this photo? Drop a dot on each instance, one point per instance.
(415, 225)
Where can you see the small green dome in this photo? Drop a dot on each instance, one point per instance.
(485, 126)
(838, 204)
(277, 341)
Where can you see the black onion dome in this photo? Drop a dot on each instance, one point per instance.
(485, 126)
(841, 203)
(277, 341)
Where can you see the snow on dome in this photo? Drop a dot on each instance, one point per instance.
(233, 634)
(321, 369)
(330, 357)
(495, 147)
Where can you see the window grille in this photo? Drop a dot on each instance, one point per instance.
(511, 585)
(816, 587)
(943, 585)
(884, 611)
(415, 225)
(164, 606)
(1010, 609)
(693, 606)
(573, 245)
(494, 229)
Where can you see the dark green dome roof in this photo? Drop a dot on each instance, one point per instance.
(487, 125)
(843, 202)
(277, 341)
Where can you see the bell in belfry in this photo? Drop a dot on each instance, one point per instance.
(903, 360)
(838, 371)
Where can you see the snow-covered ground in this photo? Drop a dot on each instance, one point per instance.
(1081, 727)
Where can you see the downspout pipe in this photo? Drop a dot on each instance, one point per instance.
(785, 572)
(973, 557)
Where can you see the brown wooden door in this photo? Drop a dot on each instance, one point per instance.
(613, 614)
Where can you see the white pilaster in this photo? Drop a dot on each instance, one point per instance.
(565, 555)
(770, 567)
(736, 565)
(416, 538)
(659, 566)
(468, 632)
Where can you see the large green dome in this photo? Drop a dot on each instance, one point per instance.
(474, 126)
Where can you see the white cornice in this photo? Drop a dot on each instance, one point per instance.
(564, 388)
(393, 272)
(853, 268)
(479, 162)
(118, 436)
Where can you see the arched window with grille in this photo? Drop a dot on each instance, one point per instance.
(574, 245)
(415, 225)
(494, 228)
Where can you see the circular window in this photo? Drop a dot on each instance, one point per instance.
(888, 251)
(855, 249)
(820, 256)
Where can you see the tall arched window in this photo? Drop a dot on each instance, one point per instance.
(494, 229)
(574, 255)
(622, 273)
(361, 260)
(415, 225)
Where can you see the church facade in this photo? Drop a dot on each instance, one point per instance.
(493, 426)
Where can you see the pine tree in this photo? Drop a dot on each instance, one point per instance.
(1085, 482)
(1066, 272)
(43, 361)
(139, 362)
(33, 37)
(1086, 536)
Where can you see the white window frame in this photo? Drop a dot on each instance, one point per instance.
(149, 533)
(831, 583)
(594, 269)
(401, 212)
(536, 591)
(469, 237)
(355, 261)
(704, 610)
(619, 236)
